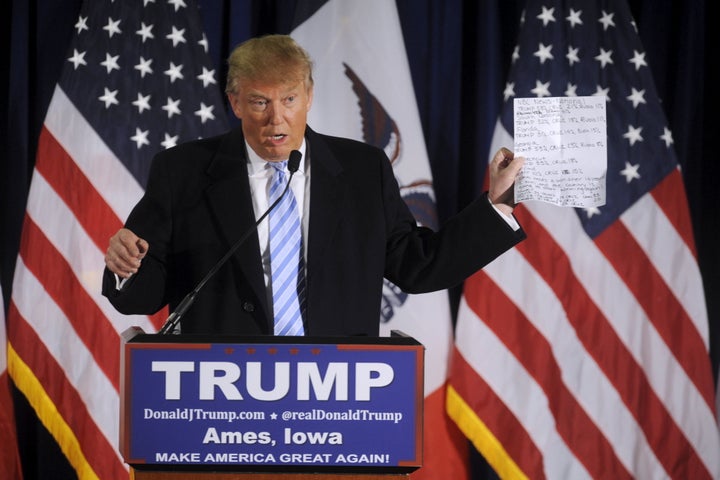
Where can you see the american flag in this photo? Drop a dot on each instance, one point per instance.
(137, 79)
(9, 454)
(583, 352)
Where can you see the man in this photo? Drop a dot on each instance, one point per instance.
(356, 229)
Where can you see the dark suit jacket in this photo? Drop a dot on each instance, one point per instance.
(198, 203)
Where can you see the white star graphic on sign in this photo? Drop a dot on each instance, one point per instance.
(144, 67)
(571, 90)
(633, 134)
(630, 172)
(547, 16)
(543, 52)
(174, 72)
(667, 137)
(77, 59)
(205, 112)
(81, 24)
(177, 36)
(638, 60)
(110, 62)
(109, 98)
(140, 138)
(604, 57)
(171, 107)
(207, 77)
(541, 89)
(145, 2)
(145, 31)
(607, 20)
(169, 141)
(509, 90)
(515, 54)
(637, 97)
(112, 27)
(142, 103)
(574, 18)
(572, 55)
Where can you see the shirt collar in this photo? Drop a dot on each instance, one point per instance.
(258, 166)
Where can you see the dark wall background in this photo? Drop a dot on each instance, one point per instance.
(459, 52)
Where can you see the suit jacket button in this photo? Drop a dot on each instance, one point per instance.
(248, 307)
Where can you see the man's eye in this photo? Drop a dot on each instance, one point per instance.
(290, 99)
(258, 104)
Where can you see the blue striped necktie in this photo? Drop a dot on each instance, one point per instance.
(286, 257)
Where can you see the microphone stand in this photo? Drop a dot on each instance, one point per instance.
(186, 303)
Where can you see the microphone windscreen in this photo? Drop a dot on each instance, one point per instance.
(294, 161)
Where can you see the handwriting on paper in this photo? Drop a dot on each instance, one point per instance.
(564, 142)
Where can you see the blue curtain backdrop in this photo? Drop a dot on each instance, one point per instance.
(459, 53)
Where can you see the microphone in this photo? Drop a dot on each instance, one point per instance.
(184, 305)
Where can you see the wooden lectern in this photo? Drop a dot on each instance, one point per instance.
(271, 408)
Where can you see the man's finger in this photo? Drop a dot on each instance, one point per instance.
(142, 247)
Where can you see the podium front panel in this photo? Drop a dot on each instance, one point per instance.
(269, 404)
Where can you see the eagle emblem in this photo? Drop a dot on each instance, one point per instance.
(379, 129)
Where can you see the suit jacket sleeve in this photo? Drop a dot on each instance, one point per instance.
(150, 220)
(420, 260)
(196, 206)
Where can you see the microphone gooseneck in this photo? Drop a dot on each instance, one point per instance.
(186, 303)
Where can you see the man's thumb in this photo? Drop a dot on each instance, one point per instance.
(142, 246)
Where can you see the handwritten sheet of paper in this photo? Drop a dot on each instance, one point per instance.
(564, 142)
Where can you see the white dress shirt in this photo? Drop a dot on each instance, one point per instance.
(260, 176)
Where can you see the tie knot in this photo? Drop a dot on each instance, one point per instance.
(279, 166)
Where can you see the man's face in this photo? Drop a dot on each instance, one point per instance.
(273, 116)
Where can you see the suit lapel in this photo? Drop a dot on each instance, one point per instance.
(326, 201)
(230, 204)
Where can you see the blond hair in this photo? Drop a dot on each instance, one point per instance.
(274, 59)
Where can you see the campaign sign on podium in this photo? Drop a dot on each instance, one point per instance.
(272, 402)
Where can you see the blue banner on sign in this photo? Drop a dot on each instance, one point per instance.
(273, 404)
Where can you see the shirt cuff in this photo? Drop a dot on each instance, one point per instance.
(509, 219)
(120, 282)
